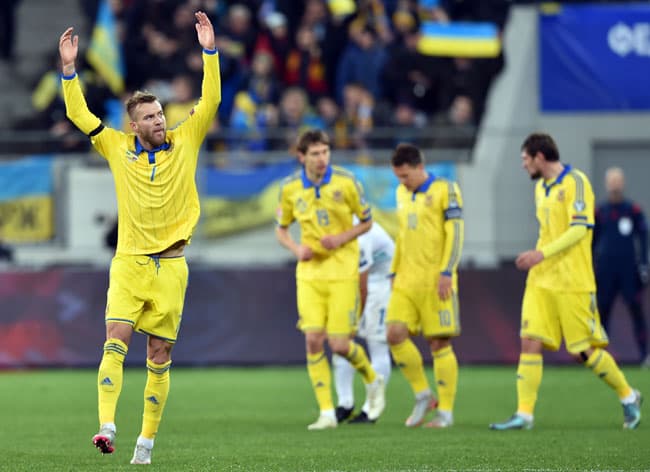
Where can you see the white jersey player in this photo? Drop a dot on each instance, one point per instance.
(376, 254)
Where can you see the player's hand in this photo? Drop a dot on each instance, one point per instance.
(644, 275)
(304, 253)
(444, 287)
(68, 50)
(204, 30)
(331, 241)
(529, 259)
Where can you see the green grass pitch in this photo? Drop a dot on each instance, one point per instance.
(255, 419)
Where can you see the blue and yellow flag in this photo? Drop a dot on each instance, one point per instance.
(26, 200)
(105, 51)
(459, 39)
(233, 201)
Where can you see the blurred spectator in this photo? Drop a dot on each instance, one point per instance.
(334, 122)
(461, 111)
(358, 105)
(362, 61)
(371, 14)
(304, 66)
(254, 110)
(315, 18)
(182, 100)
(336, 39)
(407, 124)
(275, 40)
(235, 44)
(295, 116)
(411, 77)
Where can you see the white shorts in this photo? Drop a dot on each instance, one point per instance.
(373, 320)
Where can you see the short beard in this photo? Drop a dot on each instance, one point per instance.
(536, 175)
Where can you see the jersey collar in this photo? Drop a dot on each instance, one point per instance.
(558, 179)
(425, 185)
(151, 153)
(306, 183)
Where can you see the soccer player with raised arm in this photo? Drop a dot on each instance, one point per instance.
(425, 288)
(323, 199)
(560, 296)
(376, 249)
(158, 207)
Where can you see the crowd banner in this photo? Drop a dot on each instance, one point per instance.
(26, 200)
(236, 200)
(595, 58)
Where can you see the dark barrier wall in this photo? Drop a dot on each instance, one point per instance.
(55, 318)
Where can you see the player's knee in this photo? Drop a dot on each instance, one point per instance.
(581, 357)
(339, 346)
(314, 342)
(396, 333)
(159, 351)
(439, 343)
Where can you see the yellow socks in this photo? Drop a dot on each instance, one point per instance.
(155, 396)
(604, 366)
(529, 378)
(109, 379)
(359, 360)
(445, 370)
(409, 360)
(321, 379)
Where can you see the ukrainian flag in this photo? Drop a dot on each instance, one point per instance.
(26, 200)
(459, 39)
(105, 52)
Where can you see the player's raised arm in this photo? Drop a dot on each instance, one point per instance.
(75, 103)
(198, 124)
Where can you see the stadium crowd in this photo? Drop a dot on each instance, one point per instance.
(349, 69)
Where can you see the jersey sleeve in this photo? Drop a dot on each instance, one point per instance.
(365, 253)
(101, 137)
(453, 227)
(284, 212)
(580, 201)
(358, 203)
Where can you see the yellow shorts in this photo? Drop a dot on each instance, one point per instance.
(548, 316)
(423, 312)
(148, 293)
(330, 305)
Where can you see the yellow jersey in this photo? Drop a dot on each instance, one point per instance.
(431, 233)
(321, 210)
(157, 199)
(565, 201)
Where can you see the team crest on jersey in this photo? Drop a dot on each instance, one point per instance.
(428, 201)
(337, 195)
(560, 196)
(132, 156)
(301, 205)
(580, 206)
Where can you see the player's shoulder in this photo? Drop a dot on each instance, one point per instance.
(578, 177)
(293, 178)
(343, 174)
